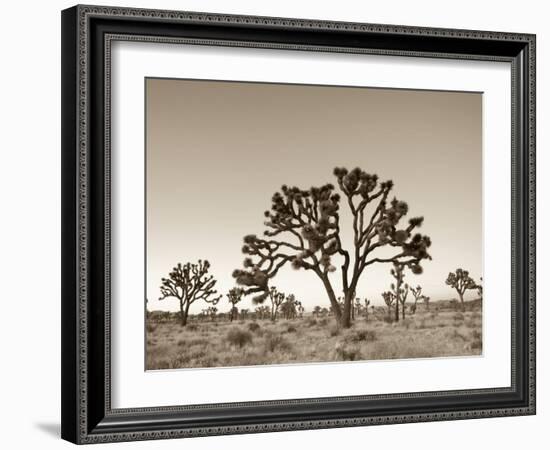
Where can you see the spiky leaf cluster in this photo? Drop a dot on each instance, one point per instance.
(235, 295)
(389, 298)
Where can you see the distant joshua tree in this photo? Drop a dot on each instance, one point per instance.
(426, 302)
(277, 299)
(389, 298)
(212, 311)
(357, 308)
(400, 291)
(289, 308)
(301, 309)
(461, 281)
(234, 296)
(303, 230)
(189, 283)
(317, 311)
(367, 305)
(417, 294)
(262, 312)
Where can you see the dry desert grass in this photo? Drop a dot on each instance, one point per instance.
(261, 342)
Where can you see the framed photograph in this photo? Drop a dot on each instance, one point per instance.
(277, 224)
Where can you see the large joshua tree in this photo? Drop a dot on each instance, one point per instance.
(234, 296)
(189, 283)
(461, 281)
(304, 230)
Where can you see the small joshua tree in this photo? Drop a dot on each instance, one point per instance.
(400, 292)
(301, 309)
(303, 231)
(358, 308)
(289, 308)
(212, 311)
(461, 281)
(403, 298)
(277, 299)
(317, 311)
(262, 312)
(389, 298)
(426, 302)
(417, 294)
(189, 283)
(234, 296)
(367, 305)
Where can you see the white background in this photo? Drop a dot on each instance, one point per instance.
(133, 387)
(30, 225)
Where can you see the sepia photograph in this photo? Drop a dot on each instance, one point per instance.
(294, 224)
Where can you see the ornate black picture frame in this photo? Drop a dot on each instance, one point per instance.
(87, 34)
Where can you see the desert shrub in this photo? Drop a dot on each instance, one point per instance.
(291, 329)
(344, 352)
(181, 342)
(254, 326)
(198, 341)
(421, 325)
(476, 335)
(191, 327)
(209, 361)
(454, 334)
(275, 342)
(334, 331)
(323, 322)
(311, 322)
(476, 344)
(179, 361)
(433, 315)
(361, 336)
(458, 316)
(406, 323)
(239, 337)
(388, 319)
(162, 364)
(470, 323)
(151, 328)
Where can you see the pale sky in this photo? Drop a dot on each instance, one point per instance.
(217, 151)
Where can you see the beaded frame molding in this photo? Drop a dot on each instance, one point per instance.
(87, 35)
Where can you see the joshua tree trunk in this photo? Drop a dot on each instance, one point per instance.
(403, 311)
(462, 307)
(397, 310)
(184, 312)
(333, 300)
(346, 316)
